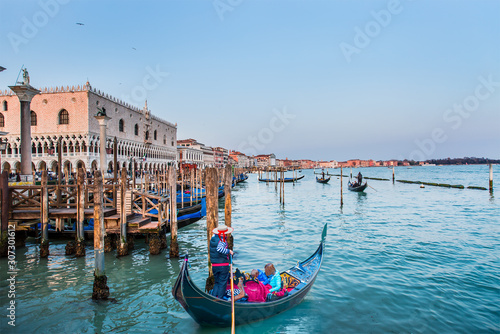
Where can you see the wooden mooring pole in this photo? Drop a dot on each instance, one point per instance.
(393, 179)
(341, 192)
(281, 186)
(44, 243)
(101, 290)
(491, 178)
(211, 182)
(182, 186)
(80, 213)
(174, 245)
(122, 247)
(227, 205)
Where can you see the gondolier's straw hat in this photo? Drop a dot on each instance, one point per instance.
(222, 229)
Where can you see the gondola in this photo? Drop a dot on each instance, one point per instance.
(287, 179)
(241, 178)
(208, 310)
(322, 180)
(355, 188)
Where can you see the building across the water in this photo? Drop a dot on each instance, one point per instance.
(192, 152)
(66, 114)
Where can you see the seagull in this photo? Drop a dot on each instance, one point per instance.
(134, 49)
(80, 24)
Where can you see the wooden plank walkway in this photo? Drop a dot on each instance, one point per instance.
(63, 213)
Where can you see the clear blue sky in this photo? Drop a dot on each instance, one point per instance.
(357, 79)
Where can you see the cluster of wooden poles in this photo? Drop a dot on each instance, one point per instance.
(212, 181)
(278, 174)
(164, 185)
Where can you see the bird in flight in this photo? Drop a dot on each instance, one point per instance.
(80, 24)
(134, 48)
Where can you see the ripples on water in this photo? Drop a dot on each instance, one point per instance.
(398, 259)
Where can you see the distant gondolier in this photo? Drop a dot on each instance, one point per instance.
(360, 178)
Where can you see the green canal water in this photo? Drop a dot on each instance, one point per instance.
(398, 259)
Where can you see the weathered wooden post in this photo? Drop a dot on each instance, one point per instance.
(211, 180)
(341, 192)
(174, 245)
(491, 178)
(101, 290)
(283, 180)
(281, 186)
(191, 186)
(44, 243)
(4, 183)
(393, 179)
(80, 214)
(228, 207)
(123, 244)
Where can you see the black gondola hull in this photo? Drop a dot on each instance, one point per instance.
(210, 311)
(321, 180)
(358, 188)
(287, 179)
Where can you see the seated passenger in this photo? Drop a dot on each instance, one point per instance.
(260, 275)
(239, 292)
(255, 289)
(277, 290)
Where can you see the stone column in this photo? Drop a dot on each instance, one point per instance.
(103, 121)
(25, 93)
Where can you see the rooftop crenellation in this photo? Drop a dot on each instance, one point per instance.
(84, 88)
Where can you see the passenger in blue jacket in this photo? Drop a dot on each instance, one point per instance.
(219, 256)
(260, 275)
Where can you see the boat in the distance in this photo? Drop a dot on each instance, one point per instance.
(208, 310)
(322, 179)
(286, 179)
(355, 187)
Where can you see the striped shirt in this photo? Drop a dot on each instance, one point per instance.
(222, 248)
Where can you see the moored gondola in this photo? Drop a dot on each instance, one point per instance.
(208, 310)
(287, 179)
(357, 188)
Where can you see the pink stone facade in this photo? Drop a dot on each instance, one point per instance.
(141, 137)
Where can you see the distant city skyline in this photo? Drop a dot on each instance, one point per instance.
(319, 80)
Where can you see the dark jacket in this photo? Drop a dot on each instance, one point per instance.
(215, 256)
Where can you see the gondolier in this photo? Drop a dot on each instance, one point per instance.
(219, 256)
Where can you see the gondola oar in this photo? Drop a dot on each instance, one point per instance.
(372, 187)
(232, 295)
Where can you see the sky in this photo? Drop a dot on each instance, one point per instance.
(308, 79)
